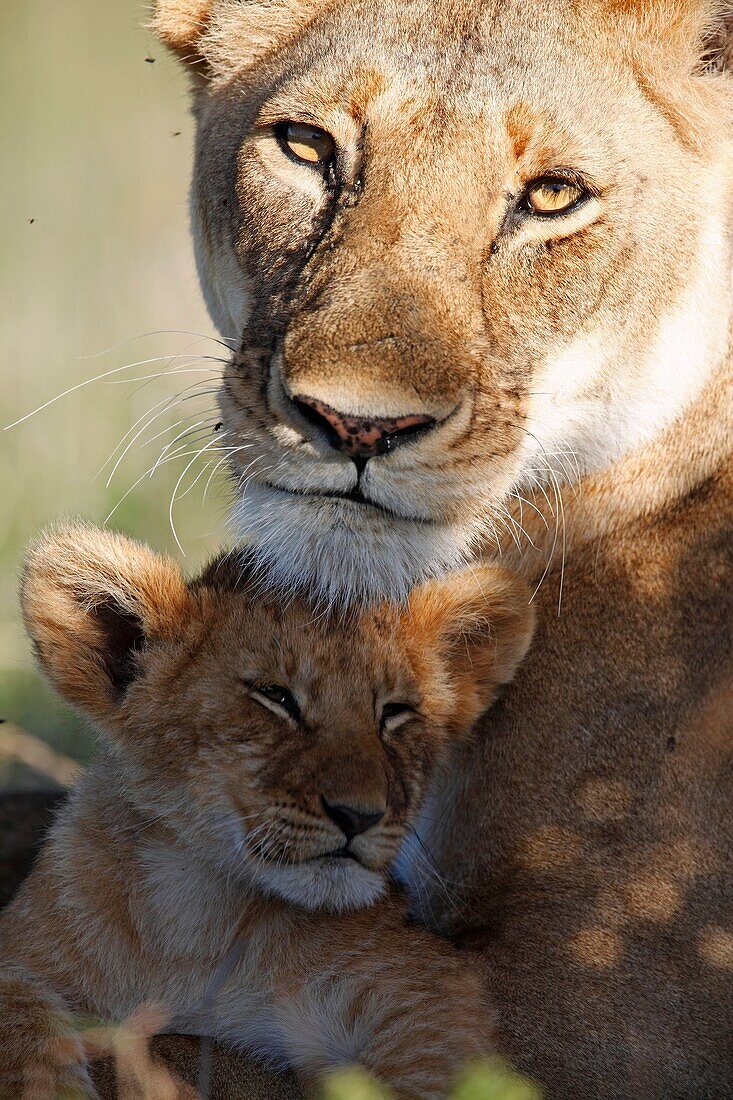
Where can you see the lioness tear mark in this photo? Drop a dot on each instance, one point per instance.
(597, 947)
(716, 947)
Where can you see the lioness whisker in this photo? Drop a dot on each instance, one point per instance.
(159, 374)
(523, 500)
(201, 427)
(207, 424)
(212, 443)
(158, 410)
(170, 458)
(223, 341)
(129, 446)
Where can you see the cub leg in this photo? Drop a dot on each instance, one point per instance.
(366, 989)
(42, 1054)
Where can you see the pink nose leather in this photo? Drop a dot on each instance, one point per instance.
(361, 436)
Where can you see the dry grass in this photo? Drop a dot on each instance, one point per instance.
(140, 1075)
(96, 150)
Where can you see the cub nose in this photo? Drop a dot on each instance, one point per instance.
(361, 436)
(351, 822)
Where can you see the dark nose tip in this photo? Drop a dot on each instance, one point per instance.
(361, 436)
(351, 822)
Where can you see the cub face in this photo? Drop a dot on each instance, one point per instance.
(462, 248)
(286, 746)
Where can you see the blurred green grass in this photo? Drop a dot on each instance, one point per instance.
(493, 1080)
(95, 150)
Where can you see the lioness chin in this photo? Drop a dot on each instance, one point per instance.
(228, 856)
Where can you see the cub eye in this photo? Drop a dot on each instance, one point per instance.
(306, 143)
(395, 715)
(278, 699)
(553, 195)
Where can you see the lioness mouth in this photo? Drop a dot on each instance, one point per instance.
(354, 496)
(338, 853)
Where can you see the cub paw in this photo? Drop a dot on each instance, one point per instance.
(47, 1069)
(43, 1057)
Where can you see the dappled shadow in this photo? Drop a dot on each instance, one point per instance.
(594, 832)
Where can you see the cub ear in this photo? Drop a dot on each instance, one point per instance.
(481, 623)
(92, 601)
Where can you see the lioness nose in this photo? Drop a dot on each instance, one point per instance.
(351, 822)
(361, 436)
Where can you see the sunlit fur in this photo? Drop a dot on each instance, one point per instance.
(410, 282)
(587, 837)
(203, 820)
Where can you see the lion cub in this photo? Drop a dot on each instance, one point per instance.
(262, 765)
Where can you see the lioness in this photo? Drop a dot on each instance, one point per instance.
(263, 766)
(476, 256)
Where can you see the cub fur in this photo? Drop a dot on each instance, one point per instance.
(262, 767)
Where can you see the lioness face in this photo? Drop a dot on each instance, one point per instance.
(284, 747)
(463, 247)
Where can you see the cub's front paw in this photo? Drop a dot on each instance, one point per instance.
(42, 1054)
(47, 1068)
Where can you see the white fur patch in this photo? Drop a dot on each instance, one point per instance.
(333, 884)
(223, 281)
(339, 549)
(600, 398)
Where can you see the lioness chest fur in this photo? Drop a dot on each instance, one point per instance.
(227, 857)
(603, 845)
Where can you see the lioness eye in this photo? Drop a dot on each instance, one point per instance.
(306, 143)
(552, 196)
(395, 715)
(278, 699)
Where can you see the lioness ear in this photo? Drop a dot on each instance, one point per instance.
(688, 32)
(481, 622)
(92, 601)
(181, 24)
(719, 43)
(226, 35)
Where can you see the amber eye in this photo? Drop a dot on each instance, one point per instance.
(550, 196)
(276, 698)
(306, 143)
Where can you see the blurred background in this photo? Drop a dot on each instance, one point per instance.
(95, 154)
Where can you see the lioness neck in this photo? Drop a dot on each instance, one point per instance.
(695, 447)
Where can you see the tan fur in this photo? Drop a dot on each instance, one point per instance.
(180, 23)
(203, 821)
(587, 367)
(611, 858)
